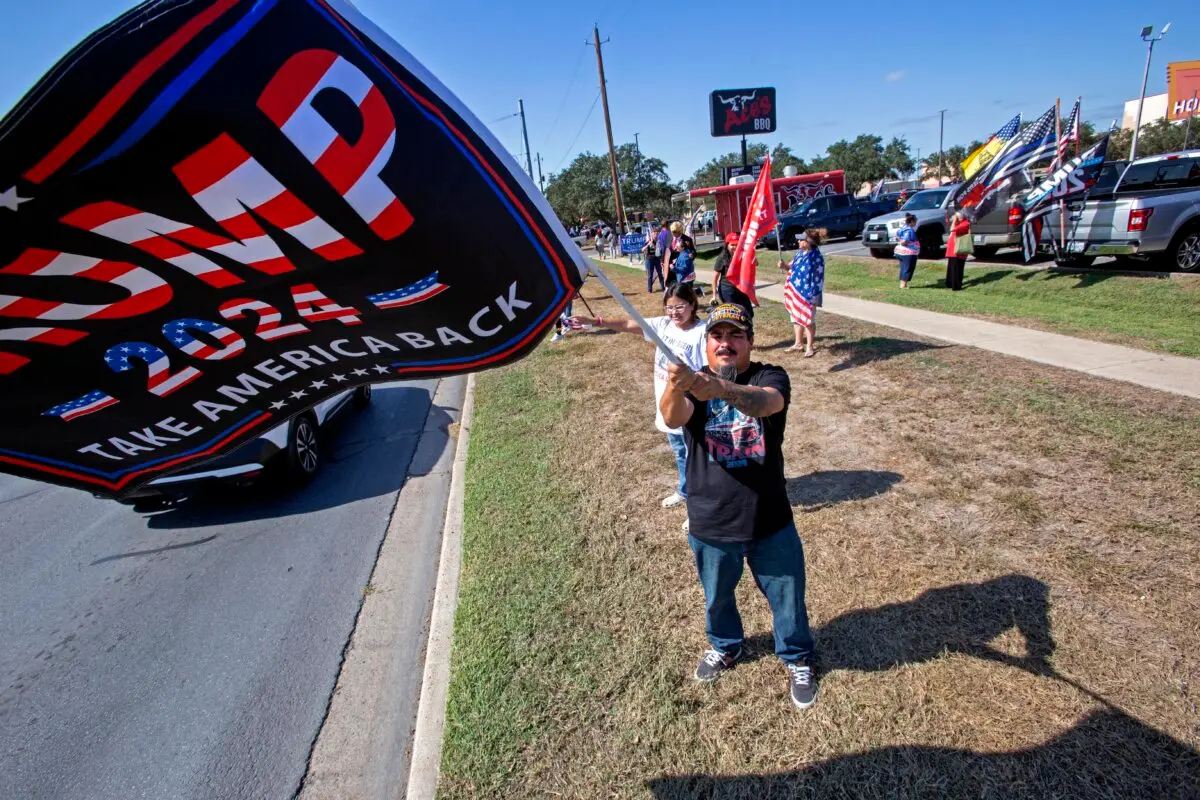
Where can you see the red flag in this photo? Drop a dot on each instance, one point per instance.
(760, 218)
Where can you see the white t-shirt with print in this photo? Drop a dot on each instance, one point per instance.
(688, 345)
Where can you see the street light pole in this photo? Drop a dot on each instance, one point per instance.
(1149, 37)
(941, 147)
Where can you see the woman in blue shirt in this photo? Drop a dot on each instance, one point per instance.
(804, 290)
(907, 249)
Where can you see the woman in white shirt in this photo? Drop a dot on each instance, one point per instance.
(680, 329)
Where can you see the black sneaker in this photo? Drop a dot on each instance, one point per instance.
(804, 684)
(714, 663)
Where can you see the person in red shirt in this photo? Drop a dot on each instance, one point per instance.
(960, 228)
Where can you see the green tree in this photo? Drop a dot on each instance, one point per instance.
(1156, 138)
(781, 157)
(866, 159)
(584, 188)
(949, 168)
(710, 173)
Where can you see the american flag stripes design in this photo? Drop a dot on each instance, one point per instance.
(1070, 133)
(314, 306)
(799, 309)
(146, 290)
(269, 317)
(409, 295)
(1031, 233)
(160, 381)
(1034, 143)
(179, 332)
(224, 180)
(10, 362)
(89, 403)
(352, 169)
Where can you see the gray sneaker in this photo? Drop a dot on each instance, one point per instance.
(714, 662)
(803, 681)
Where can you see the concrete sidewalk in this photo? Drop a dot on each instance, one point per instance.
(1164, 372)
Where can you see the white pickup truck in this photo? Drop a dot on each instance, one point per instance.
(1151, 215)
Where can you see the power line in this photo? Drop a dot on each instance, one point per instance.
(506, 116)
(577, 133)
(566, 96)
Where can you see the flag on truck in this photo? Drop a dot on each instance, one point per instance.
(760, 218)
(999, 180)
(984, 154)
(1070, 135)
(1069, 181)
(251, 201)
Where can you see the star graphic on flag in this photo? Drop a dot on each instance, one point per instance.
(278, 404)
(338, 378)
(318, 384)
(381, 369)
(296, 395)
(10, 199)
(360, 372)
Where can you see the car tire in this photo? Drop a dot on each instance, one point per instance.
(1184, 252)
(985, 252)
(881, 253)
(303, 448)
(362, 396)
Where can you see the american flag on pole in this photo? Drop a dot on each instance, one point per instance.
(92, 401)
(996, 180)
(409, 295)
(1070, 133)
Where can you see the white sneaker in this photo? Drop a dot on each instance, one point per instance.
(672, 500)
(558, 336)
(685, 525)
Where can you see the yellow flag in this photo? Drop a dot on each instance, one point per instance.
(980, 158)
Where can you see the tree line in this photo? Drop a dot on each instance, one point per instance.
(584, 189)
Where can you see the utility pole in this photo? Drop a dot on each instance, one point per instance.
(919, 177)
(612, 153)
(941, 146)
(541, 180)
(525, 136)
(1147, 36)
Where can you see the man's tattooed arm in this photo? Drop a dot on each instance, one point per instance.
(752, 400)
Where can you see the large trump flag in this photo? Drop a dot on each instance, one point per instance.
(216, 213)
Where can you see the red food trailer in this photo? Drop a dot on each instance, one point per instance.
(732, 201)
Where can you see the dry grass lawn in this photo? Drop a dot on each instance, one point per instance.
(1003, 565)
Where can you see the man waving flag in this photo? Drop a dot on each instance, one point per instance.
(760, 218)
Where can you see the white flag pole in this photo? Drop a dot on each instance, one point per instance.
(620, 297)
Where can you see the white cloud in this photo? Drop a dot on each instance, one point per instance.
(892, 77)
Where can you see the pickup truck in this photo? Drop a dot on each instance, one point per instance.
(929, 206)
(839, 214)
(1151, 215)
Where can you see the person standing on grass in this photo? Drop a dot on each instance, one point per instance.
(652, 261)
(907, 249)
(680, 329)
(726, 292)
(680, 243)
(958, 248)
(733, 413)
(805, 290)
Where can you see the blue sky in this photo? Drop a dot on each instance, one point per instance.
(839, 70)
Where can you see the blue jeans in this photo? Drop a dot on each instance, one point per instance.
(908, 265)
(654, 267)
(678, 444)
(777, 564)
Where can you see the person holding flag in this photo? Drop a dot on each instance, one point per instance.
(760, 218)
(804, 290)
(726, 291)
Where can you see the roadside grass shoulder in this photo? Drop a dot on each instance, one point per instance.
(991, 544)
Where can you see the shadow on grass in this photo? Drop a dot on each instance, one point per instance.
(991, 276)
(875, 348)
(789, 342)
(1107, 754)
(826, 488)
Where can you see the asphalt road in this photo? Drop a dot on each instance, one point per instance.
(190, 653)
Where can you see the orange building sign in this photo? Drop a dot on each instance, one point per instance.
(1183, 89)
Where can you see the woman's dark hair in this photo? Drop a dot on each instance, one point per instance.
(685, 293)
(910, 219)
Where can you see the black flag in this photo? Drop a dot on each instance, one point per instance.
(216, 213)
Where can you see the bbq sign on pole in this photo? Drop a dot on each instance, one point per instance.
(217, 213)
(741, 112)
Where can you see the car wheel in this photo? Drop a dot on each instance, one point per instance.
(362, 396)
(1184, 252)
(982, 253)
(880, 253)
(303, 448)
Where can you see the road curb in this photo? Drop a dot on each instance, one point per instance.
(435, 683)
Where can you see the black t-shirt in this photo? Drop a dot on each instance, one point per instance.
(721, 265)
(736, 488)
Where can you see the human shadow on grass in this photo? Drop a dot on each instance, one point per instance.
(818, 490)
(991, 276)
(870, 349)
(961, 618)
(1107, 754)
